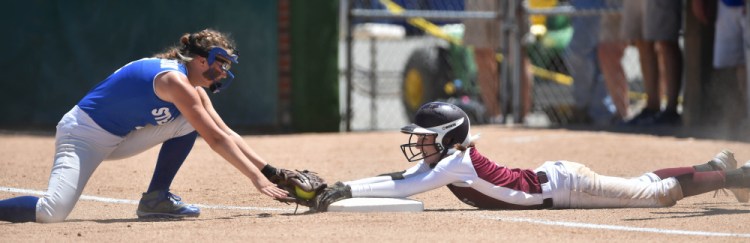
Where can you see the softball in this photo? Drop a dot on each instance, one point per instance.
(303, 194)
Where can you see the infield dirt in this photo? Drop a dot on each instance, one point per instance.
(207, 179)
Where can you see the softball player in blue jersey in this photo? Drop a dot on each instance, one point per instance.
(147, 102)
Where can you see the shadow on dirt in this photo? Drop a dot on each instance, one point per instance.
(137, 220)
(707, 212)
(133, 220)
(456, 210)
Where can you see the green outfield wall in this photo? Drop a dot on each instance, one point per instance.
(314, 44)
(55, 51)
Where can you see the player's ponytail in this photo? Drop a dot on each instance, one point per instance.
(204, 39)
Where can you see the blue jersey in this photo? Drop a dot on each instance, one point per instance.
(126, 100)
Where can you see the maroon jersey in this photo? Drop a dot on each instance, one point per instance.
(507, 182)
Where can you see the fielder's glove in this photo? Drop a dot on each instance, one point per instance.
(330, 195)
(301, 185)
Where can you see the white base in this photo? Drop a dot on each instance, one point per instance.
(368, 204)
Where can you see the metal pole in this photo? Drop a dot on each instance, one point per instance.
(426, 14)
(518, 66)
(747, 63)
(505, 82)
(373, 83)
(347, 6)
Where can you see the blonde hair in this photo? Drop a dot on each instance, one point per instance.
(204, 40)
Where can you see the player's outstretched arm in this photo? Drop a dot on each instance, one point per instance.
(174, 87)
(256, 159)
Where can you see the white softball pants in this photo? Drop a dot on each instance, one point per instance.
(81, 145)
(573, 185)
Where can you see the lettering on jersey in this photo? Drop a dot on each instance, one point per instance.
(162, 115)
(171, 64)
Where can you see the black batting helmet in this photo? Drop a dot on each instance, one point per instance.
(449, 124)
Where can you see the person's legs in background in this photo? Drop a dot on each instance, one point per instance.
(670, 68)
(663, 20)
(729, 53)
(633, 26)
(589, 90)
(610, 51)
(487, 77)
(610, 54)
(728, 105)
(483, 36)
(650, 72)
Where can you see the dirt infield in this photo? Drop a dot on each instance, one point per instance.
(234, 211)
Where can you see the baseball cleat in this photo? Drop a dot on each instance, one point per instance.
(742, 194)
(726, 161)
(164, 204)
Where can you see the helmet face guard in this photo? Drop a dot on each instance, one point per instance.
(413, 150)
(448, 124)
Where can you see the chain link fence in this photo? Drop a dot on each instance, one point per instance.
(583, 71)
(377, 75)
(396, 55)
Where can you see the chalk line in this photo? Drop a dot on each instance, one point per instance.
(615, 227)
(126, 201)
(509, 219)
